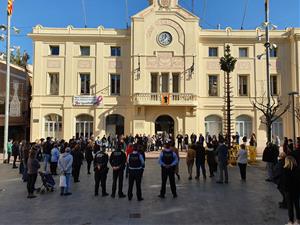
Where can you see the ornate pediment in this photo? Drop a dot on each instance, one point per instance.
(166, 6)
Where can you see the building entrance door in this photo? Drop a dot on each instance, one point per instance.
(164, 124)
(115, 124)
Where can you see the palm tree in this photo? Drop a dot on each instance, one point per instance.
(227, 63)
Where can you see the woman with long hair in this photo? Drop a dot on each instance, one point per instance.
(291, 187)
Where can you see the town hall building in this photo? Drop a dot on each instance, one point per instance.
(162, 74)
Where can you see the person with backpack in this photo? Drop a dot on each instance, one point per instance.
(136, 165)
(100, 170)
(168, 161)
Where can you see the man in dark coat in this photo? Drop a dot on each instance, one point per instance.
(200, 160)
(77, 162)
(117, 161)
(101, 170)
(222, 150)
(270, 156)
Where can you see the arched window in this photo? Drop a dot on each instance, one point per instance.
(53, 126)
(243, 126)
(213, 125)
(277, 128)
(84, 126)
(115, 124)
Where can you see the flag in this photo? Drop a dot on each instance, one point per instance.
(9, 7)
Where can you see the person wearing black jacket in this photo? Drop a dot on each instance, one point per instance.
(89, 156)
(200, 160)
(136, 166)
(117, 161)
(101, 170)
(77, 162)
(47, 147)
(291, 186)
(270, 156)
(277, 179)
(15, 153)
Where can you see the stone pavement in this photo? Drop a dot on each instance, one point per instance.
(199, 202)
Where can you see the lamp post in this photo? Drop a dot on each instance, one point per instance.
(267, 46)
(7, 90)
(292, 94)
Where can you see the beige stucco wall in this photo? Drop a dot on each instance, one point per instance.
(140, 42)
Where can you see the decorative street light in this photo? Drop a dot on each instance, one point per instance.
(7, 90)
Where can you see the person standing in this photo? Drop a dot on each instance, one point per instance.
(222, 150)
(65, 162)
(186, 142)
(179, 141)
(136, 165)
(168, 160)
(15, 153)
(270, 156)
(32, 170)
(89, 155)
(9, 150)
(190, 159)
(277, 179)
(101, 170)
(77, 162)
(47, 146)
(117, 161)
(54, 159)
(174, 149)
(291, 181)
(200, 160)
(242, 161)
(211, 157)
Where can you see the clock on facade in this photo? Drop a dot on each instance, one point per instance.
(164, 38)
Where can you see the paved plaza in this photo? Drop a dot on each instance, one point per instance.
(198, 202)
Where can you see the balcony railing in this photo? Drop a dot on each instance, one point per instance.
(173, 99)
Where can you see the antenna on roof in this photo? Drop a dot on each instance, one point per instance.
(193, 6)
(84, 13)
(244, 17)
(126, 13)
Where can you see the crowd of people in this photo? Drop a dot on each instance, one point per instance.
(127, 158)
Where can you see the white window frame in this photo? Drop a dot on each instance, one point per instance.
(208, 91)
(239, 85)
(49, 83)
(115, 92)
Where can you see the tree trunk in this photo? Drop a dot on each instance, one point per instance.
(228, 112)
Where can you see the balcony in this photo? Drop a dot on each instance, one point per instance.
(165, 99)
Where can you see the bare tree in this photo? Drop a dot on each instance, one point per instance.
(227, 63)
(271, 112)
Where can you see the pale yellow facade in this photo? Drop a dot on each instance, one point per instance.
(181, 65)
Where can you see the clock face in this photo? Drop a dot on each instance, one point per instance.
(164, 38)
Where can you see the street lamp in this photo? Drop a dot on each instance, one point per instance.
(7, 90)
(292, 94)
(267, 26)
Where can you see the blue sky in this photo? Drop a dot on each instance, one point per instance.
(112, 14)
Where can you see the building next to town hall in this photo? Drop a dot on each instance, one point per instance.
(160, 74)
(19, 110)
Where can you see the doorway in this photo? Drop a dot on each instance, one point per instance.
(164, 124)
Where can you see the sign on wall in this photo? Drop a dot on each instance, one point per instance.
(87, 100)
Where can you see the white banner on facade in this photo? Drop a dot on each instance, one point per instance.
(87, 100)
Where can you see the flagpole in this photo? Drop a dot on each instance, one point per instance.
(7, 90)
